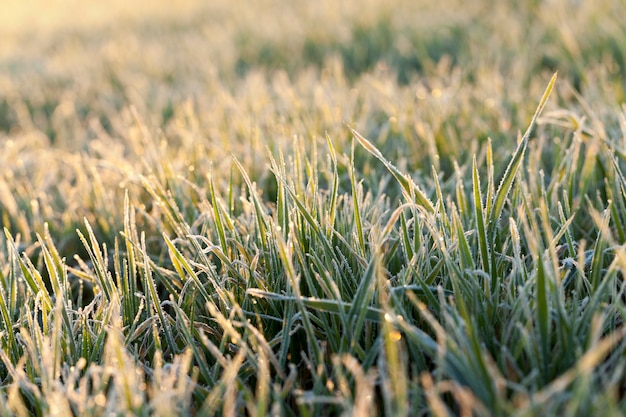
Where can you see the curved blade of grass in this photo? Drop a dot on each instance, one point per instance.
(322, 305)
(516, 160)
(409, 187)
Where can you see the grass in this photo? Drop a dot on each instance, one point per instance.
(314, 209)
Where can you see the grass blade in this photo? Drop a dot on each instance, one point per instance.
(483, 243)
(408, 186)
(516, 159)
(322, 305)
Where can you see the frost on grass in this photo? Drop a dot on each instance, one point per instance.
(191, 227)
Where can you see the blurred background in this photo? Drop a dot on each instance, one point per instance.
(43, 17)
(104, 92)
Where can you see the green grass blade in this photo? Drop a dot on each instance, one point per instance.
(599, 248)
(217, 216)
(322, 305)
(441, 202)
(483, 242)
(408, 186)
(490, 180)
(129, 287)
(543, 314)
(334, 194)
(363, 297)
(355, 203)
(516, 160)
(467, 261)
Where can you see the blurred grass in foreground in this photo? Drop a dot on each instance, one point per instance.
(191, 227)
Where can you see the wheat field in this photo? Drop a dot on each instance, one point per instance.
(312, 208)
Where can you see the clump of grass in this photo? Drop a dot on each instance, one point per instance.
(189, 242)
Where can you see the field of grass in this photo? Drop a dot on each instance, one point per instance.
(313, 208)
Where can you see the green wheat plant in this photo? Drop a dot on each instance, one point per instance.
(373, 212)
